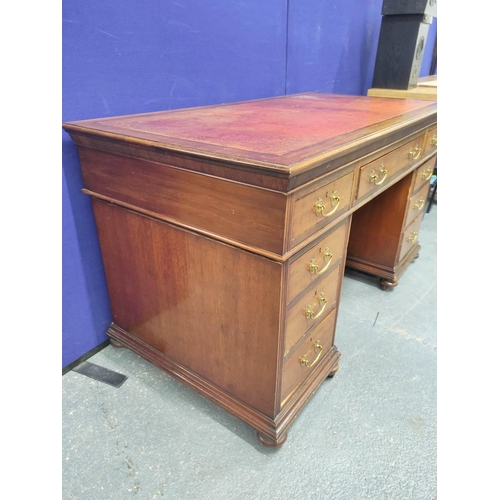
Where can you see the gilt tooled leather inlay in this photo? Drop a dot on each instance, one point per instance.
(263, 129)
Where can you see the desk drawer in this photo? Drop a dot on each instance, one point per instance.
(317, 261)
(304, 360)
(417, 203)
(410, 236)
(308, 310)
(423, 174)
(431, 140)
(376, 175)
(315, 209)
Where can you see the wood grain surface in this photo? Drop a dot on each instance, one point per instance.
(209, 307)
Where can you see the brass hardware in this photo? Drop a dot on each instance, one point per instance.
(413, 237)
(427, 173)
(434, 140)
(319, 208)
(303, 359)
(419, 204)
(375, 177)
(327, 257)
(310, 314)
(414, 153)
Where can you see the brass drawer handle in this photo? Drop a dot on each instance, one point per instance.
(427, 173)
(374, 178)
(303, 359)
(327, 257)
(414, 153)
(310, 314)
(413, 237)
(419, 204)
(319, 208)
(434, 140)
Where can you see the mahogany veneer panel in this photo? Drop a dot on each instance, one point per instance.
(209, 307)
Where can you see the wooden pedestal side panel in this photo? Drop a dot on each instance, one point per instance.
(206, 306)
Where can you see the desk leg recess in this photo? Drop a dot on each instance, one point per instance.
(384, 233)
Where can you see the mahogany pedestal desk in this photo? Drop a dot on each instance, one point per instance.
(225, 231)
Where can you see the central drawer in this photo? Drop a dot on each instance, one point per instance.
(374, 176)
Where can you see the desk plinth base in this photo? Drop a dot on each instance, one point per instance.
(389, 277)
(271, 432)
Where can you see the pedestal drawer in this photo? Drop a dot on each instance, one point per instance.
(431, 141)
(316, 262)
(417, 203)
(423, 174)
(315, 209)
(307, 356)
(410, 236)
(309, 309)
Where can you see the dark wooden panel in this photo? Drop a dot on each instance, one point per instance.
(241, 213)
(209, 307)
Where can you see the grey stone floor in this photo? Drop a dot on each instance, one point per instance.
(368, 433)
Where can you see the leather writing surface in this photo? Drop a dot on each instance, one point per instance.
(281, 130)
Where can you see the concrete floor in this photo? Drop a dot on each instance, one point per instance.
(368, 433)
